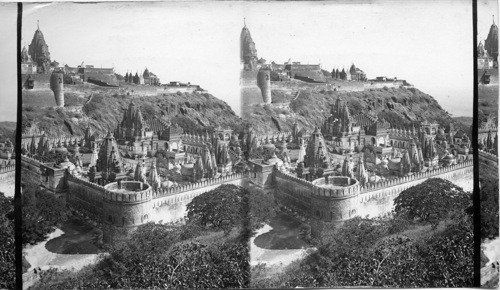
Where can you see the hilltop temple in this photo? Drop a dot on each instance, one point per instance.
(311, 73)
(491, 42)
(39, 52)
(248, 52)
(487, 51)
(37, 67)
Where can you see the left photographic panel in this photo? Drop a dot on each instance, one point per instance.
(131, 172)
(8, 117)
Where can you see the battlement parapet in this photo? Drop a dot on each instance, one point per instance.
(161, 192)
(274, 137)
(108, 194)
(86, 183)
(126, 147)
(488, 155)
(31, 160)
(195, 138)
(300, 181)
(8, 168)
(416, 176)
(66, 141)
(350, 189)
(127, 191)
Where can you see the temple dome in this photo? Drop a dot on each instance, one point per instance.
(66, 164)
(274, 160)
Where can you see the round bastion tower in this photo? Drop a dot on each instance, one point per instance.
(264, 83)
(56, 85)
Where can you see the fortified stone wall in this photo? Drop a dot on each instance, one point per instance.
(27, 140)
(293, 192)
(443, 172)
(7, 172)
(339, 204)
(85, 197)
(124, 211)
(328, 204)
(379, 200)
(30, 170)
(488, 161)
(335, 204)
(169, 205)
(7, 180)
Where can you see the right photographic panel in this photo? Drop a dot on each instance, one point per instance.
(359, 132)
(487, 65)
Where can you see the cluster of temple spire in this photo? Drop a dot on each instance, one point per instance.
(353, 73)
(147, 78)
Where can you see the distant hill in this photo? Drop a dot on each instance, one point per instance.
(104, 110)
(396, 105)
(7, 130)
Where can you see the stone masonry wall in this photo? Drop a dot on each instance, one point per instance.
(341, 204)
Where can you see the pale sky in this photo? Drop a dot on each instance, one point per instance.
(428, 43)
(8, 61)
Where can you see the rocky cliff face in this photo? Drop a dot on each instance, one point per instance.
(396, 105)
(103, 111)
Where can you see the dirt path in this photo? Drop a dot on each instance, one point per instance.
(274, 257)
(40, 257)
(491, 249)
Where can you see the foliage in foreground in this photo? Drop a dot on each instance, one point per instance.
(7, 246)
(405, 251)
(209, 251)
(42, 212)
(229, 206)
(489, 208)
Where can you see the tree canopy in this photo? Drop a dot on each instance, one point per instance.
(223, 204)
(431, 201)
(416, 247)
(489, 208)
(42, 212)
(206, 252)
(7, 246)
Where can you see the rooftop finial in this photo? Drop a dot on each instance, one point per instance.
(38, 24)
(244, 22)
(493, 16)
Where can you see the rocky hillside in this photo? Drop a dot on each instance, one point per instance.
(396, 105)
(7, 130)
(103, 110)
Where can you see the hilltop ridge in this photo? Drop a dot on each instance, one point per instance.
(103, 108)
(309, 107)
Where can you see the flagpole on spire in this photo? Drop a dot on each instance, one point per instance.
(38, 24)
(244, 22)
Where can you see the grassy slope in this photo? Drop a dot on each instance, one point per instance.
(311, 108)
(106, 107)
